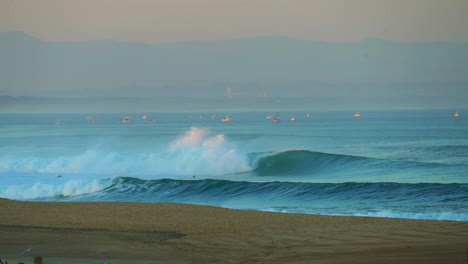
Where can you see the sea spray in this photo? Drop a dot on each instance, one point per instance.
(45, 190)
(194, 153)
(198, 153)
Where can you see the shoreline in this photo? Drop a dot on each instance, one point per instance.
(186, 233)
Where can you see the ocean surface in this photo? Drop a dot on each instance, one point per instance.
(405, 164)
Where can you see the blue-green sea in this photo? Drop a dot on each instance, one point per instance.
(405, 164)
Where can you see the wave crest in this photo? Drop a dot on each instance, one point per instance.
(44, 190)
(294, 162)
(422, 201)
(196, 152)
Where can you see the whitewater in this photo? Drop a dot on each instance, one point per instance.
(405, 164)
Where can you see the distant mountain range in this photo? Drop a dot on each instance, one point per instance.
(278, 66)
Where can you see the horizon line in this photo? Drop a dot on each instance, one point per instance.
(363, 40)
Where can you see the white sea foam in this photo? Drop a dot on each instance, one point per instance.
(431, 216)
(453, 216)
(43, 190)
(195, 152)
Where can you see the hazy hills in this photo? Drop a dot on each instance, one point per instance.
(283, 67)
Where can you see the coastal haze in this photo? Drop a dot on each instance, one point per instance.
(262, 73)
(123, 56)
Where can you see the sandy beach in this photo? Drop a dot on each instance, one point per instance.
(121, 232)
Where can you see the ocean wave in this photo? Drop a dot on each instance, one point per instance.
(455, 150)
(381, 199)
(451, 216)
(210, 157)
(43, 190)
(412, 215)
(293, 162)
(129, 188)
(197, 152)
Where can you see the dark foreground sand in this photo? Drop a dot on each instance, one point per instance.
(92, 232)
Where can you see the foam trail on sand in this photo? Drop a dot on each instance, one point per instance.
(389, 214)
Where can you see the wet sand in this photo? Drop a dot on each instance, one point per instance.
(92, 232)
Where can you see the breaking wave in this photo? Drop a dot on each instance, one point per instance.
(436, 201)
(196, 152)
(161, 176)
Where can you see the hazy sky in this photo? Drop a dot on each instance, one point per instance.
(155, 21)
(371, 73)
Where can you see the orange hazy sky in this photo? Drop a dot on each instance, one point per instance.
(155, 21)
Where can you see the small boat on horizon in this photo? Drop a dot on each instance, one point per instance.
(276, 118)
(357, 114)
(308, 115)
(457, 114)
(92, 119)
(126, 119)
(226, 118)
(293, 118)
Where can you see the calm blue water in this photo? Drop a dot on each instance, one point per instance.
(409, 164)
